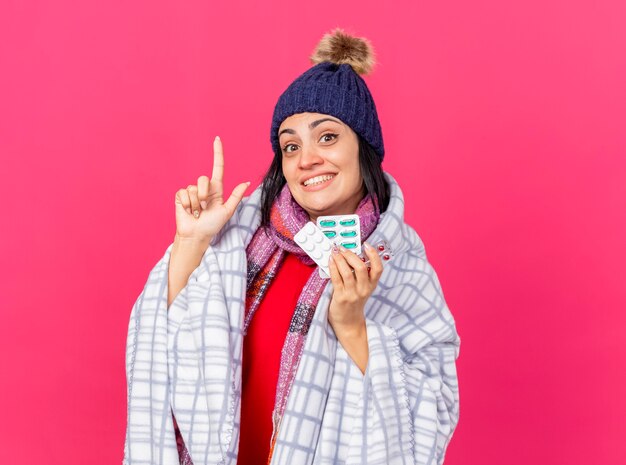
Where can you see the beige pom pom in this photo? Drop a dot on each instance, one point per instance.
(339, 47)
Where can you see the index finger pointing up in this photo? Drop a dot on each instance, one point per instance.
(218, 160)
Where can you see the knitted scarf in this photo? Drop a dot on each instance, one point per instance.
(265, 254)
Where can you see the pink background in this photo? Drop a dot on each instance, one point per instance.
(503, 122)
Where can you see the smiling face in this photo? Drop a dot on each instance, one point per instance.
(320, 160)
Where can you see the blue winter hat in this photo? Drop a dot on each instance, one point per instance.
(333, 86)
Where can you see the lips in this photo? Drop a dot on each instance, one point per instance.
(318, 178)
(319, 185)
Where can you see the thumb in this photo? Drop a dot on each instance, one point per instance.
(179, 205)
(236, 197)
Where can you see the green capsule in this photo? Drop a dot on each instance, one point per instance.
(351, 222)
(349, 245)
(348, 233)
(327, 223)
(330, 234)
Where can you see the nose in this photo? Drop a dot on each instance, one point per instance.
(310, 157)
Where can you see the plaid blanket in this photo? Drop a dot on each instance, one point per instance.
(187, 361)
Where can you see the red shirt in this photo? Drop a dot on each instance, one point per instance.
(262, 347)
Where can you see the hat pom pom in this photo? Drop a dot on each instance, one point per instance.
(339, 47)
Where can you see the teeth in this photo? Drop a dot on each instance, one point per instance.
(318, 179)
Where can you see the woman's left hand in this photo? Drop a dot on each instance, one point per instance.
(353, 283)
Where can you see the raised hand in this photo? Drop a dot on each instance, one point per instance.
(200, 209)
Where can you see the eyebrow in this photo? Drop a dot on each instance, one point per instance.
(313, 125)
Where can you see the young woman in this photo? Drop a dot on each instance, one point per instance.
(240, 352)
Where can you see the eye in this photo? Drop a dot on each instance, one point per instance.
(286, 148)
(329, 134)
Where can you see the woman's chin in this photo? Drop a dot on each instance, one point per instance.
(323, 208)
(318, 200)
(325, 205)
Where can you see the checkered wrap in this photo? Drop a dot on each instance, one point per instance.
(187, 360)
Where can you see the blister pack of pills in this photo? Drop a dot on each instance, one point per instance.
(317, 246)
(344, 230)
(383, 249)
(316, 243)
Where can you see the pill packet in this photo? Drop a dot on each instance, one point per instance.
(317, 246)
(344, 230)
(383, 249)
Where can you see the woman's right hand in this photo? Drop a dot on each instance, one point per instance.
(200, 209)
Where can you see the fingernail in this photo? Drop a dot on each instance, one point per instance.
(203, 204)
(335, 249)
(367, 246)
(196, 213)
(217, 138)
